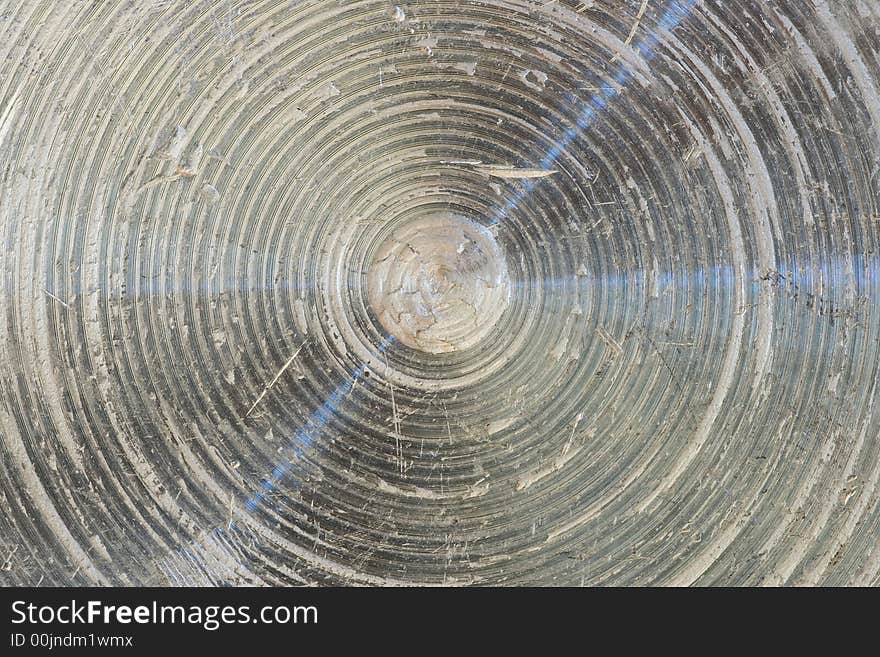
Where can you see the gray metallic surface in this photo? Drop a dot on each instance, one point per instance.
(447, 292)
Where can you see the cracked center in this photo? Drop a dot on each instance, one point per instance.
(439, 284)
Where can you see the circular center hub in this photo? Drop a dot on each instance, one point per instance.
(439, 283)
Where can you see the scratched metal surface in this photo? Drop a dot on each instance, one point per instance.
(439, 292)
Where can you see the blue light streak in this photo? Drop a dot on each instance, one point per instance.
(675, 13)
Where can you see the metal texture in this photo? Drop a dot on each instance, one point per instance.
(439, 292)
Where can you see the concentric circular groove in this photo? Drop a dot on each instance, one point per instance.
(448, 292)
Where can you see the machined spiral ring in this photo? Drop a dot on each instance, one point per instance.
(440, 292)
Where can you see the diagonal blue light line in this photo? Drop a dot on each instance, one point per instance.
(305, 437)
(675, 13)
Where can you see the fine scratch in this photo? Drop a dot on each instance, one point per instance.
(398, 448)
(52, 296)
(609, 341)
(635, 27)
(509, 173)
(231, 511)
(275, 380)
